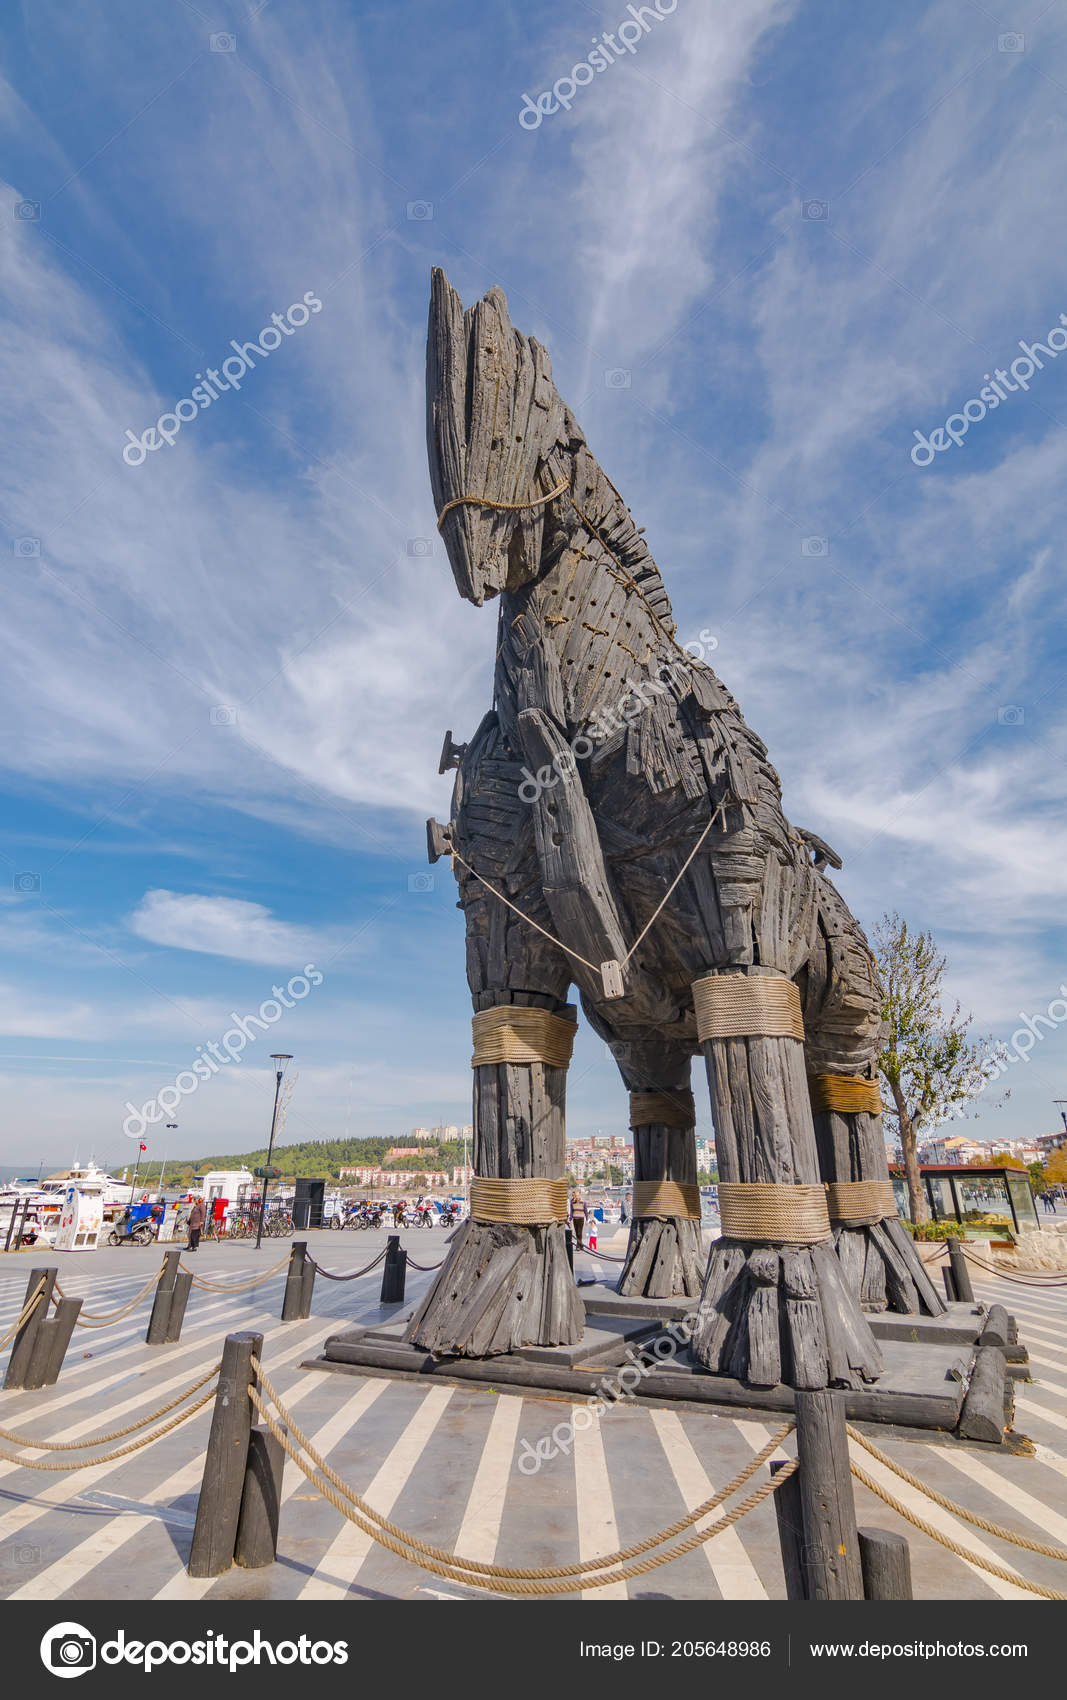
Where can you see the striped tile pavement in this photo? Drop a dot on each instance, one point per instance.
(442, 1462)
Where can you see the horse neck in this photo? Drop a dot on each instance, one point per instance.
(599, 607)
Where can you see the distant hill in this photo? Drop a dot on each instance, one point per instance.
(319, 1159)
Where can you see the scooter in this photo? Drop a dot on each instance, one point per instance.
(135, 1226)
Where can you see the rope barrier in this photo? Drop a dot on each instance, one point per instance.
(951, 1505)
(101, 1319)
(120, 1452)
(604, 1256)
(425, 1268)
(112, 1434)
(498, 1579)
(236, 1286)
(946, 1540)
(356, 1273)
(1028, 1278)
(27, 1311)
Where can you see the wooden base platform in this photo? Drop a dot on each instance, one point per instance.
(927, 1382)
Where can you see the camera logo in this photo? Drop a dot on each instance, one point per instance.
(814, 546)
(420, 547)
(1010, 714)
(28, 210)
(26, 546)
(223, 715)
(1011, 43)
(68, 1650)
(819, 211)
(222, 42)
(420, 210)
(420, 882)
(26, 882)
(618, 378)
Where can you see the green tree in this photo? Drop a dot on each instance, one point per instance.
(932, 1071)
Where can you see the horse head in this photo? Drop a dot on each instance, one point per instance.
(497, 431)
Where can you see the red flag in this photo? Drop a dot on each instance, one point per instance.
(144, 1147)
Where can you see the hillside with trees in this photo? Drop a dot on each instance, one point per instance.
(318, 1159)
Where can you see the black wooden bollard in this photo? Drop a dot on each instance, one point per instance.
(790, 1516)
(26, 1339)
(159, 1321)
(960, 1273)
(394, 1274)
(831, 1553)
(53, 1338)
(299, 1284)
(950, 1284)
(218, 1510)
(568, 1239)
(256, 1543)
(886, 1562)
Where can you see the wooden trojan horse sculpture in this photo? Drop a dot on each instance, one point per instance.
(616, 825)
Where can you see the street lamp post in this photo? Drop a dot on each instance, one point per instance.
(141, 1146)
(280, 1058)
(172, 1127)
(1061, 1105)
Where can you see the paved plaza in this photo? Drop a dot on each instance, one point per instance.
(442, 1460)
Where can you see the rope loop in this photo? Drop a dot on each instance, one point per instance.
(561, 1579)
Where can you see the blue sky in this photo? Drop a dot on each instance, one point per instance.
(231, 666)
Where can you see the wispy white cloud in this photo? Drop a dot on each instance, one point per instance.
(224, 926)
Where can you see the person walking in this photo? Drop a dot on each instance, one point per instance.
(578, 1216)
(197, 1217)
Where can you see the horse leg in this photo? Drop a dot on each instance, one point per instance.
(775, 1306)
(664, 1256)
(844, 1028)
(508, 1284)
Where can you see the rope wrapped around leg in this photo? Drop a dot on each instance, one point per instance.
(763, 1213)
(528, 1203)
(857, 1204)
(507, 1033)
(848, 1094)
(668, 1109)
(740, 1006)
(666, 1199)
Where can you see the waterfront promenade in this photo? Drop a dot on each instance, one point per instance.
(441, 1460)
